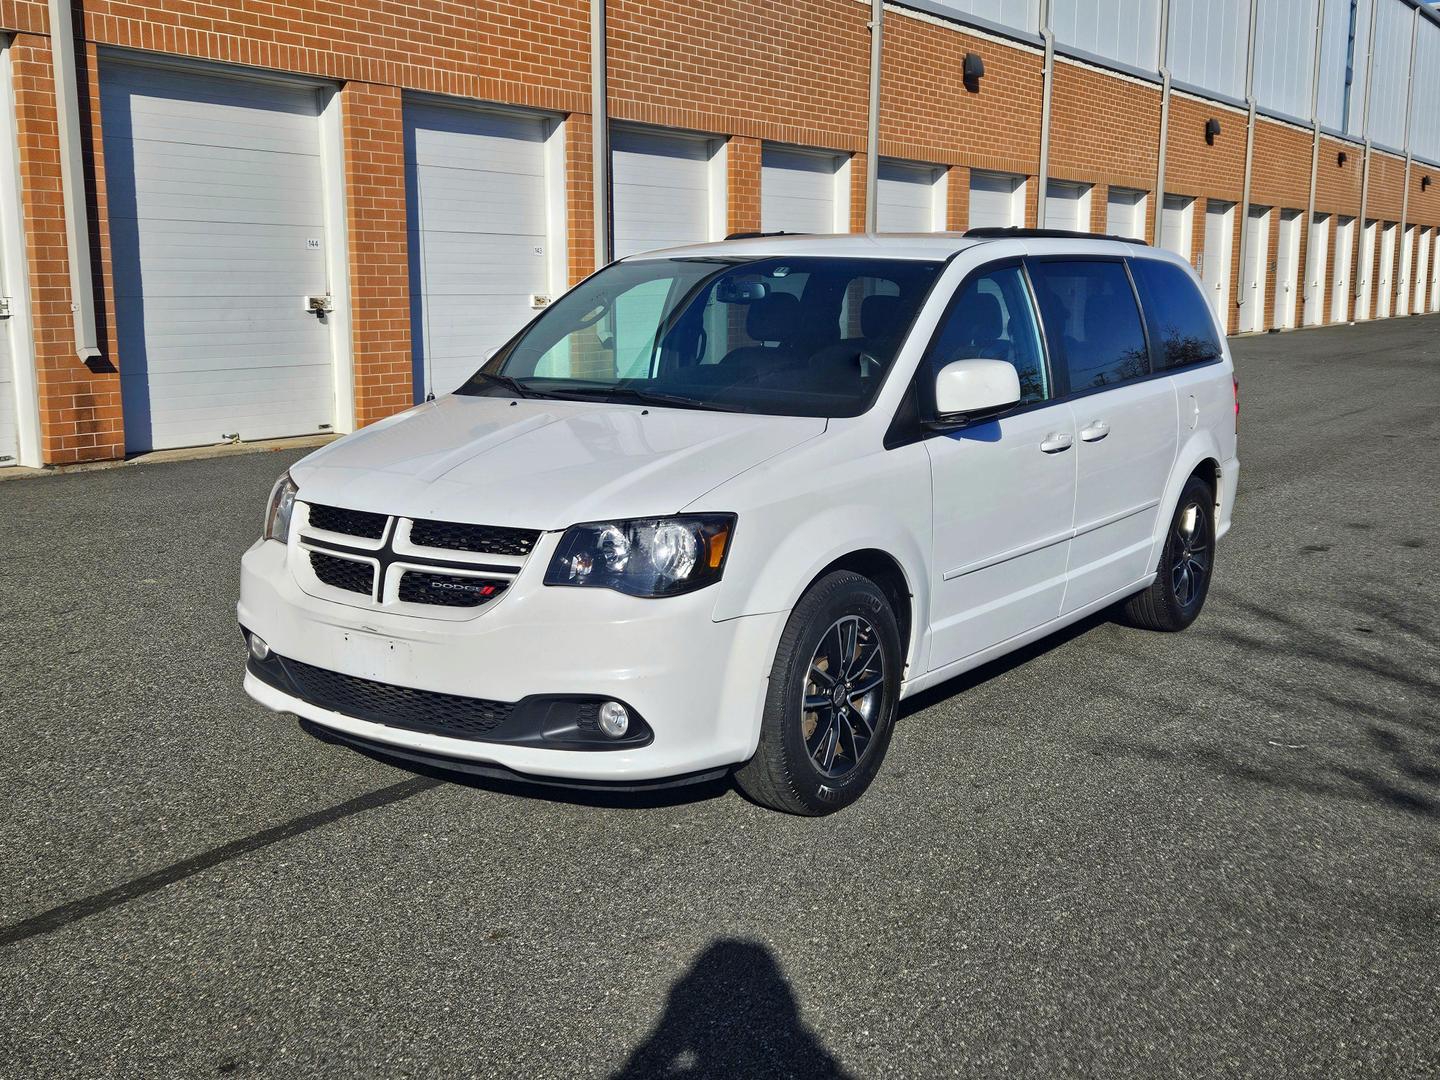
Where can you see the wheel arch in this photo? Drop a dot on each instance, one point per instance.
(889, 576)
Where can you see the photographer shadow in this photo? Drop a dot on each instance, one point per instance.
(731, 1015)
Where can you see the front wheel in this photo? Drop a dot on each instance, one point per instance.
(830, 708)
(1182, 580)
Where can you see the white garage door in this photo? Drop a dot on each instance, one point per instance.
(909, 198)
(1067, 206)
(217, 227)
(9, 435)
(661, 186)
(477, 190)
(1177, 215)
(1125, 213)
(997, 200)
(800, 191)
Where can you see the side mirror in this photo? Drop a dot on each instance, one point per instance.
(969, 391)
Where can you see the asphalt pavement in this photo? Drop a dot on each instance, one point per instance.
(1120, 853)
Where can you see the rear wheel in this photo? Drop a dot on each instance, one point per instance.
(830, 708)
(1182, 580)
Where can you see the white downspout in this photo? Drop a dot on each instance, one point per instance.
(72, 181)
(1249, 162)
(1048, 37)
(1317, 289)
(599, 133)
(1158, 210)
(1362, 279)
(872, 134)
(1403, 274)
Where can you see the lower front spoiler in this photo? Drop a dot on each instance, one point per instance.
(406, 755)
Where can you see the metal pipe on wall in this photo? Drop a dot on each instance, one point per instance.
(72, 181)
(1043, 180)
(599, 132)
(1362, 279)
(1402, 278)
(1158, 210)
(872, 133)
(1249, 158)
(1314, 156)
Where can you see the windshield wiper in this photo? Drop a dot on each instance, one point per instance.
(647, 397)
(513, 385)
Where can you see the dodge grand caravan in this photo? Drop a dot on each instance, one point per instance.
(720, 508)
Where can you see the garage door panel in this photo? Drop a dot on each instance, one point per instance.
(161, 180)
(217, 234)
(661, 185)
(450, 201)
(798, 191)
(478, 233)
(994, 200)
(905, 197)
(207, 110)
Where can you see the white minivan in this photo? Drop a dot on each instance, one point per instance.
(720, 508)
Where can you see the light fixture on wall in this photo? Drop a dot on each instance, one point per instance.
(1341, 158)
(973, 71)
(1424, 182)
(1212, 128)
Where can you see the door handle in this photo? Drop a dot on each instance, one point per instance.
(1097, 430)
(1057, 441)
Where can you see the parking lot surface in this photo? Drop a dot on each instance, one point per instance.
(1119, 853)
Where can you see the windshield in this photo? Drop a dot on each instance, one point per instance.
(793, 336)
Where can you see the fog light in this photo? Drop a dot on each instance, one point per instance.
(614, 719)
(258, 648)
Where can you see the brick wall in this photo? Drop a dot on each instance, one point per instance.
(746, 70)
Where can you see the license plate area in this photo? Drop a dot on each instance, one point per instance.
(371, 656)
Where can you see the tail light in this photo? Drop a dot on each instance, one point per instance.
(1235, 381)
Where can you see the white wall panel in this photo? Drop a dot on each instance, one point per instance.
(1342, 63)
(1392, 71)
(1127, 31)
(218, 232)
(1209, 40)
(1285, 56)
(1021, 15)
(1425, 116)
(477, 188)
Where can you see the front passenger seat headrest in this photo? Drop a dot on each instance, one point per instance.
(774, 318)
(879, 315)
(982, 317)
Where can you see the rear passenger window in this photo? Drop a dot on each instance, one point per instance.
(1091, 322)
(992, 319)
(1180, 323)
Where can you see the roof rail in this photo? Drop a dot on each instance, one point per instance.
(1014, 232)
(757, 234)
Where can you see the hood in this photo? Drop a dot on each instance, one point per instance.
(539, 464)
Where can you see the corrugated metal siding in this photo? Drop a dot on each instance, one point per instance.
(1127, 31)
(1209, 40)
(1425, 115)
(1017, 14)
(1392, 69)
(1285, 56)
(1335, 58)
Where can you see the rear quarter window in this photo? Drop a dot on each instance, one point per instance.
(1181, 329)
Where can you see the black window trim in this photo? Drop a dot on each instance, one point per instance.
(904, 430)
(1151, 326)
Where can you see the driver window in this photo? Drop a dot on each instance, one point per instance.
(992, 319)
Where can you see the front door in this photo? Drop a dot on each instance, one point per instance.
(1004, 491)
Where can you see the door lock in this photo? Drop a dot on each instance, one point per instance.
(319, 305)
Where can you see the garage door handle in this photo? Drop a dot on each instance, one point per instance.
(1057, 441)
(1095, 432)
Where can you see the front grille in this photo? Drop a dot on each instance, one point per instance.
(448, 590)
(490, 539)
(396, 706)
(349, 522)
(344, 574)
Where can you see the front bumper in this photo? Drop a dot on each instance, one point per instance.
(699, 684)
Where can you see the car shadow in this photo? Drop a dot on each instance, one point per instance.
(733, 1014)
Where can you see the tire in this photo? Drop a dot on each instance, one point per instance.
(1187, 563)
(789, 770)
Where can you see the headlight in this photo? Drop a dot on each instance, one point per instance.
(645, 557)
(277, 513)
